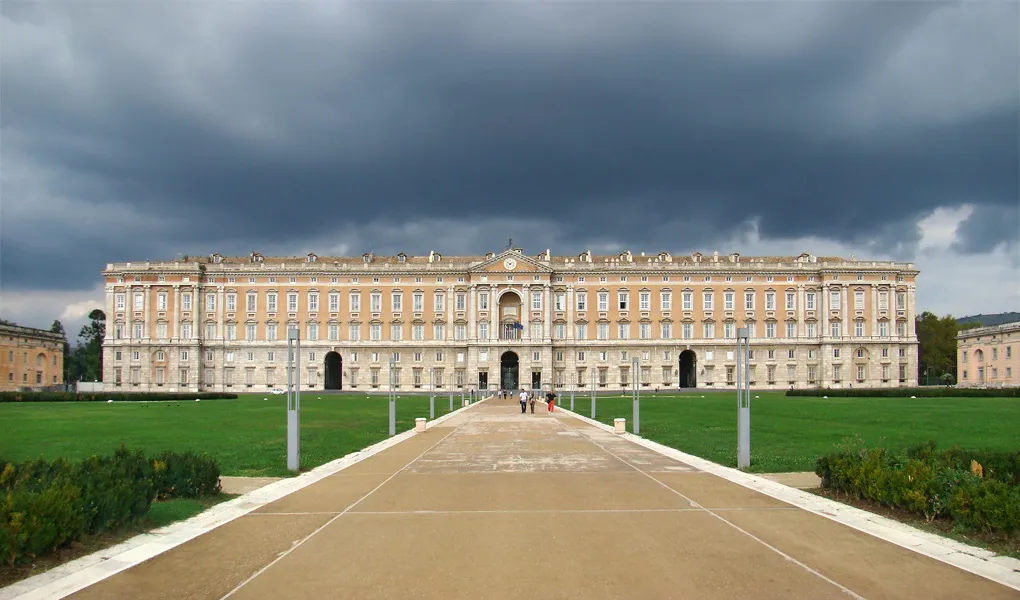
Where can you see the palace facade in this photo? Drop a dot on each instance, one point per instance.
(508, 319)
(30, 359)
(989, 356)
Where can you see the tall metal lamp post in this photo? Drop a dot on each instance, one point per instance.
(293, 399)
(432, 394)
(743, 398)
(393, 397)
(637, 396)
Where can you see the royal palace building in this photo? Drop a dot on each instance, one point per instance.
(508, 320)
(30, 359)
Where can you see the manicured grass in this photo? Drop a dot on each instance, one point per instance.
(789, 434)
(247, 436)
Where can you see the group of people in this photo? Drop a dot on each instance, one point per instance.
(529, 397)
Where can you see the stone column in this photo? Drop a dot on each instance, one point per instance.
(525, 312)
(874, 311)
(472, 313)
(547, 325)
(847, 322)
(451, 301)
(800, 310)
(111, 314)
(146, 334)
(571, 303)
(823, 310)
(221, 326)
(176, 334)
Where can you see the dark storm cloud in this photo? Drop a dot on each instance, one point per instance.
(198, 127)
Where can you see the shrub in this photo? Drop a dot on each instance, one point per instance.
(905, 392)
(115, 396)
(185, 475)
(934, 484)
(115, 489)
(44, 505)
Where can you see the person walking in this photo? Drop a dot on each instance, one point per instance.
(524, 401)
(551, 400)
(531, 399)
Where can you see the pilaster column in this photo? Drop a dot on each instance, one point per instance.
(874, 311)
(221, 322)
(571, 303)
(800, 311)
(111, 315)
(911, 307)
(547, 322)
(525, 312)
(146, 333)
(177, 312)
(823, 310)
(847, 330)
(451, 300)
(472, 314)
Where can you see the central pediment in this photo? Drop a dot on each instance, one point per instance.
(510, 261)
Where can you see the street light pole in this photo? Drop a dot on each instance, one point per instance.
(743, 398)
(293, 399)
(637, 397)
(393, 398)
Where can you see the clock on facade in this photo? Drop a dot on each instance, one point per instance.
(509, 264)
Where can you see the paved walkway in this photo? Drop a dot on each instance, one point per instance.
(495, 504)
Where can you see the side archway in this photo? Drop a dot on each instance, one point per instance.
(334, 368)
(688, 369)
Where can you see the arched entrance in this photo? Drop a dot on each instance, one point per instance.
(509, 375)
(688, 369)
(334, 371)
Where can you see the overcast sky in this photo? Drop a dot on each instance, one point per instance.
(147, 130)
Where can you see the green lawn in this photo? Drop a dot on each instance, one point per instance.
(247, 436)
(788, 434)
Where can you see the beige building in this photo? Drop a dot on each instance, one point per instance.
(30, 359)
(989, 356)
(508, 319)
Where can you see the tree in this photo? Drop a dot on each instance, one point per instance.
(88, 356)
(58, 328)
(936, 352)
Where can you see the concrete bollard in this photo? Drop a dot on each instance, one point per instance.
(465, 402)
(620, 425)
(419, 424)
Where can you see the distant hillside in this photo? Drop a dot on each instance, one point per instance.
(989, 320)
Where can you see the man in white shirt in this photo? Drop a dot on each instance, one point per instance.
(524, 401)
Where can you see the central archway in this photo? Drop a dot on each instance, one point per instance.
(334, 371)
(509, 372)
(688, 369)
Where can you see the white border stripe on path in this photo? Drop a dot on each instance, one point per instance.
(66, 579)
(987, 564)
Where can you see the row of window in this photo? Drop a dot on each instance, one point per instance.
(536, 355)
(39, 358)
(313, 331)
(559, 300)
(509, 277)
(979, 355)
(271, 378)
(24, 377)
(981, 374)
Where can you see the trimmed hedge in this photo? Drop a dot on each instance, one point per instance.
(920, 392)
(185, 475)
(45, 505)
(932, 484)
(117, 396)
